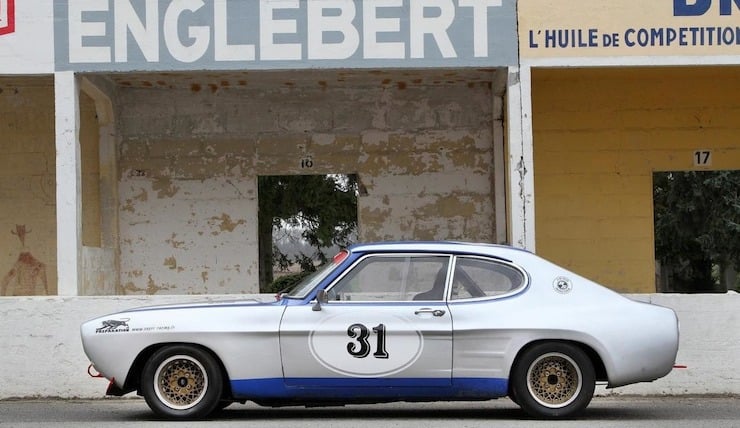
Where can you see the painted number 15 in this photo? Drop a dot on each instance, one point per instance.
(360, 348)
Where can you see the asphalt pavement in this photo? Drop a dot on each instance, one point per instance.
(614, 411)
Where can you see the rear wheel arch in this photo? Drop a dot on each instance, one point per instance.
(599, 367)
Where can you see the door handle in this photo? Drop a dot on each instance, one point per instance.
(435, 312)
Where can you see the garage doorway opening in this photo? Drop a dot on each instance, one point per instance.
(303, 220)
(697, 231)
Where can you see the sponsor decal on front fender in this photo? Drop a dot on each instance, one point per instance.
(367, 345)
(114, 326)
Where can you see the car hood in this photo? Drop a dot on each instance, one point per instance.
(202, 304)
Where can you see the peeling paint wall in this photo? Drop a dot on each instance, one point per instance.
(185, 228)
(190, 157)
(427, 185)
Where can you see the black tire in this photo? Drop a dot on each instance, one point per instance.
(553, 380)
(182, 382)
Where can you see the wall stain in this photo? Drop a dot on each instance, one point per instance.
(143, 196)
(226, 223)
(174, 243)
(171, 262)
(131, 288)
(128, 206)
(27, 277)
(448, 206)
(152, 288)
(164, 187)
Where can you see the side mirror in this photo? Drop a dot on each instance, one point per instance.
(321, 297)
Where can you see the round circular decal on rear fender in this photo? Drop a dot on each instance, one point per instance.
(366, 344)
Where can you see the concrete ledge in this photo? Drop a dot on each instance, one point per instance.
(43, 357)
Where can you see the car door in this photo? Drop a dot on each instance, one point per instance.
(482, 302)
(386, 324)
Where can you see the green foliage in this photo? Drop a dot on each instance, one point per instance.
(697, 225)
(286, 282)
(323, 206)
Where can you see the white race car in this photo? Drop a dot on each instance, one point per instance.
(405, 321)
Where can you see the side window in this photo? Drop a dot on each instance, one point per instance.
(393, 278)
(474, 277)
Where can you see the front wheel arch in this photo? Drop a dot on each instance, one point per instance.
(133, 377)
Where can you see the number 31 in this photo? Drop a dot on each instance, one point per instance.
(361, 347)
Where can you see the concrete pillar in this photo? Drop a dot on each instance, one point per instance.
(499, 178)
(105, 275)
(520, 167)
(69, 188)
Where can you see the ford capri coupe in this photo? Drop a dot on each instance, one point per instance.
(384, 322)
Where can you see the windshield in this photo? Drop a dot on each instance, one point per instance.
(310, 282)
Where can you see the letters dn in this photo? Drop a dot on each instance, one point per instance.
(125, 35)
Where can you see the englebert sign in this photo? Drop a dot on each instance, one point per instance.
(629, 28)
(262, 34)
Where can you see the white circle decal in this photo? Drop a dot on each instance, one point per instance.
(369, 344)
(562, 285)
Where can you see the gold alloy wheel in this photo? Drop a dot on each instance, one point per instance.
(554, 380)
(181, 382)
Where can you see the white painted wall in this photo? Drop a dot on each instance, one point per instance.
(42, 344)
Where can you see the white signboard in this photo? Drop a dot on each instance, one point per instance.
(26, 37)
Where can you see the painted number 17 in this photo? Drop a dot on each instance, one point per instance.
(360, 348)
(702, 157)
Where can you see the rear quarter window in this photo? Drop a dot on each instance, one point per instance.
(478, 278)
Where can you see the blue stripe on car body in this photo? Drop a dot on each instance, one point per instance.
(353, 389)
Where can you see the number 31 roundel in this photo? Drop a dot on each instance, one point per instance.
(368, 344)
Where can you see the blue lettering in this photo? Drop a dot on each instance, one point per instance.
(700, 7)
(628, 38)
(550, 38)
(725, 6)
(593, 38)
(671, 36)
(683, 8)
(532, 43)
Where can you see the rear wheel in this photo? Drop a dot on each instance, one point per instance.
(182, 382)
(553, 380)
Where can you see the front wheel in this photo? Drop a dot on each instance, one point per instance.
(553, 380)
(182, 382)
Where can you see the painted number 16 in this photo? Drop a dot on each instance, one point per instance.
(360, 348)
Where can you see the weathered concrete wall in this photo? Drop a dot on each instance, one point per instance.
(190, 157)
(599, 134)
(41, 344)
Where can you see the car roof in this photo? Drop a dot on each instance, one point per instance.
(442, 246)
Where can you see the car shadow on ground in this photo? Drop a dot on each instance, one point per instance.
(409, 412)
